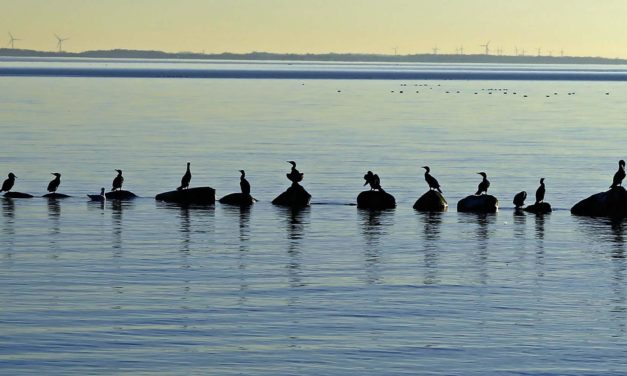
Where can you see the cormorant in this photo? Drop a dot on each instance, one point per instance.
(8, 183)
(373, 180)
(540, 192)
(619, 175)
(185, 179)
(118, 181)
(431, 181)
(101, 197)
(244, 184)
(294, 176)
(519, 199)
(484, 185)
(54, 183)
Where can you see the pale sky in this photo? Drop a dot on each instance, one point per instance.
(579, 27)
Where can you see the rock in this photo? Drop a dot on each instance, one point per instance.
(295, 196)
(375, 200)
(120, 195)
(540, 208)
(17, 195)
(478, 204)
(198, 195)
(239, 199)
(55, 196)
(612, 203)
(431, 201)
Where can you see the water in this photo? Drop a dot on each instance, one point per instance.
(150, 288)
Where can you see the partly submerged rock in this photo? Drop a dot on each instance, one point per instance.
(539, 208)
(120, 195)
(375, 200)
(239, 199)
(478, 204)
(431, 201)
(17, 195)
(198, 195)
(295, 196)
(55, 196)
(612, 203)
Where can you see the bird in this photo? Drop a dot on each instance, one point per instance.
(431, 181)
(619, 175)
(373, 180)
(294, 176)
(244, 184)
(484, 185)
(54, 183)
(519, 199)
(101, 197)
(185, 179)
(540, 192)
(118, 181)
(8, 183)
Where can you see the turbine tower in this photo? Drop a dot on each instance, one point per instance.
(435, 50)
(12, 40)
(539, 51)
(487, 48)
(60, 42)
(461, 50)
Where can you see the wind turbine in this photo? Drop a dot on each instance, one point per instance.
(60, 42)
(487, 47)
(523, 52)
(395, 51)
(435, 50)
(12, 40)
(516, 48)
(539, 51)
(461, 50)
(562, 53)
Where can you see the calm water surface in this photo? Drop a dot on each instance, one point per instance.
(150, 288)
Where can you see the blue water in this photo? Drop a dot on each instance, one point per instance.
(150, 288)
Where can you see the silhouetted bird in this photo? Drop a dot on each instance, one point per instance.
(431, 181)
(8, 183)
(54, 183)
(294, 176)
(100, 197)
(185, 179)
(484, 185)
(619, 175)
(373, 180)
(243, 183)
(118, 181)
(519, 199)
(540, 192)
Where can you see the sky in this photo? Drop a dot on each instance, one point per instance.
(576, 27)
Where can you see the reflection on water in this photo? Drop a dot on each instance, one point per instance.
(54, 214)
(8, 228)
(117, 210)
(374, 226)
(242, 214)
(431, 236)
(483, 222)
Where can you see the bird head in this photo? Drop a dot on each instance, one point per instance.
(482, 174)
(119, 172)
(56, 174)
(242, 172)
(189, 163)
(292, 163)
(541, 180)
(621, 163)
(426, 168)
(12, 175)
(102, 190)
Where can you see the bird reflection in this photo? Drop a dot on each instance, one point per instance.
(539, 233)
(185, 231)
(296, 219)
(619, 309)
(54, 214)
(8, 229)
(482, 235)
(117, 210)
(431, 233)
(374, 227)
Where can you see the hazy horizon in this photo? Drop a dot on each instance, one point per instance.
(574, 28)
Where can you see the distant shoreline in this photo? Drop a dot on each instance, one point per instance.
(330, 57)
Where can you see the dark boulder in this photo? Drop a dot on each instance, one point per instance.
(17, 195)
(376, 200)
(120, 195)
(431, 201)
(612, 203)
(539, 208)
(295, 197)
(55, 196)
(198, 195)
(478, 204)
(239, 199)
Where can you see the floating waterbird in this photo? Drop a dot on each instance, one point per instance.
(101, 197)
(431, 181)
(619, 175)
(8, 183)
(118, 181)
(244, 184)
(54, 183)
(294, 176)
(540, 192)
(185, 179)
(484, 185)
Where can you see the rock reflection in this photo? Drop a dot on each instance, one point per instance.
(117, 211)
(483, 222)
(539, 234)
(374, 226)
(296, 220)
(8, 228)
(242, 213)
(431, 235)
(54, 215)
